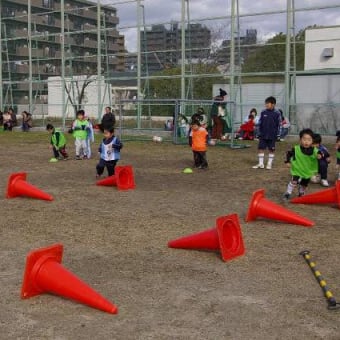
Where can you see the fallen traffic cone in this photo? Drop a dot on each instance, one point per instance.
(226, 237)
(45, 274)
(17, 186)
(261, 207)
(123, 178)
(331, 195)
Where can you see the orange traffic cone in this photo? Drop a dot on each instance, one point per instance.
(123, 178)
(261, 207)
(226, 237)
(331, 195)
(44, 273)
(17, 186)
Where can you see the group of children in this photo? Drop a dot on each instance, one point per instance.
(82, 131)
(308, 160)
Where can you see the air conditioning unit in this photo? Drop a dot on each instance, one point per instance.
(328, 52)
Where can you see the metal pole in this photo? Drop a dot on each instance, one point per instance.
(99, 60)
(287, 58)
(1, 80)
(139, 64)
(183, 52)
(30, 72)
(63, 83)
(232, 65)
(332, 304)
(239, 59)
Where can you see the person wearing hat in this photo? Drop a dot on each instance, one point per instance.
(219, 117)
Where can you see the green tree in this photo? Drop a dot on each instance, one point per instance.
(165, 87)
(271, 56)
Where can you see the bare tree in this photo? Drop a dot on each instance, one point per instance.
(75, 90)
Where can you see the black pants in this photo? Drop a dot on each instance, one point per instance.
(302, 181)
(323, 167)
(61, 151)
(110, 166)
(200, 159)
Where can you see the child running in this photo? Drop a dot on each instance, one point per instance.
(323, 162)
(198, 142)
(303, 159)
(109, 151)
(269, 130)
(58, 143)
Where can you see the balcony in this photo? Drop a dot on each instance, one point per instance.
(23, 52)
(90, 43)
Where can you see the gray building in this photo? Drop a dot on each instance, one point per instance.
(45, 40)
(161, 46)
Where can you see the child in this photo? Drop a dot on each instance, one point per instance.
(7, 121)
(246, 130)
(304, 163)
(337, 146)
(321, 177)
(269, 130)
(80, 129)
(109, 151)
(198, 142)
(90, 138)
(58, 143)
(285, 125)
(27, 121)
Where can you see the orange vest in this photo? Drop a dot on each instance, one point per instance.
(199, 139)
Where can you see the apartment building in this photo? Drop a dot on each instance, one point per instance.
(161, 45)
(80, 39)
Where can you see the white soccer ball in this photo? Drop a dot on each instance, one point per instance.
(157, 139)
(212, 142)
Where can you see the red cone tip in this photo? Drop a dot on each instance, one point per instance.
(17, 186)
(261, 207)
(331, 195)
(225, 237)
(44, 273)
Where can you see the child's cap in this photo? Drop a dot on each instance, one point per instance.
(49, 127)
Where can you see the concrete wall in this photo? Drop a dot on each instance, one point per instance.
(316, 41)
(90, 102)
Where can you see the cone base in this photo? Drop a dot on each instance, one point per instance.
(11, 193)
(230, 237)
(34, 261)
(257, 196)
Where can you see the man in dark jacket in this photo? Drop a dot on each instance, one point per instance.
(108, 119)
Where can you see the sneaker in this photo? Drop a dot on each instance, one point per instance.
(78, 158)
(98, 176)
(269, 167)
(66, 158)
(201, 167)
(301, 193)
(85, 157)
(324, 183)
(258, 166)
(315, 179)
(286, 196)
(281, 139)
(60, 158)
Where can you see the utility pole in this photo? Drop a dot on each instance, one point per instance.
(62, 40)
(99, 60)
(30, 71)
(288, 63)
(139, 64)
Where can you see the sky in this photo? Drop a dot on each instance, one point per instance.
(207, 12)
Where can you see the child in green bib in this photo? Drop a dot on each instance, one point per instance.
(303, 161)
(58, 143)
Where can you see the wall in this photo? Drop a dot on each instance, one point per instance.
(316, 41)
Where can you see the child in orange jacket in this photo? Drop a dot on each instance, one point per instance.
(198, 143)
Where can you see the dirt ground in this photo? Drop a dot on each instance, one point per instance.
(117, 242)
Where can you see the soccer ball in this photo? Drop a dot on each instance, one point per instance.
(223, 138)
(212, 142)
(157, 139)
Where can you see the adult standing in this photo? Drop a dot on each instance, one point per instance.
(108, 120)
